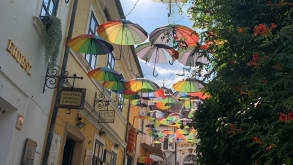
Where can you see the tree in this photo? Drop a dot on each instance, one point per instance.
(248, 118)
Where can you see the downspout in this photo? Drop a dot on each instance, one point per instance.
(59, 86)
(126, 131)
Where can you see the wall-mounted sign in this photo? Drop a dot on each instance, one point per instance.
(72, 98)
(17, 55)
(29, 152)
(19, 122)
(131, 140)
(107, 116)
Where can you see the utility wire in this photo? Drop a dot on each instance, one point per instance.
(131, 10)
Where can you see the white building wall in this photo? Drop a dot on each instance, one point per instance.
(20, 93)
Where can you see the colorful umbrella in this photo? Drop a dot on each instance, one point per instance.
(105, 74)
(169, 100)
(189, 57)
(90, 44)
(122, 32)
(149, 95)
(114, 85)
(200, 95)
(141, 85)
(179, 35)
(144, 159)
(156, 54)
(188, 85)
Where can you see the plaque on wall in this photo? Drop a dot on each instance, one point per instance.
(28, 156)
(106, 116)
(72, 98)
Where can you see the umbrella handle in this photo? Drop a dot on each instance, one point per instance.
(155, 74)
(171, 63)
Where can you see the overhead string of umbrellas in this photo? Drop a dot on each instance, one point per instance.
(166, 44)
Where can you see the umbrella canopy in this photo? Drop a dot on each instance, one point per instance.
(189, 57)
(114, 85)
(156, 53)
(122, 32)
(105, 74)
(141, 85)
(190, 95)
(169, 100)
(90, 44)
(188, 85)
(164, 35)
(144, 159)
(149, 95)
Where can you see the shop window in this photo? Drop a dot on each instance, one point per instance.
(49, 7)
(93, 26)
(98, 153)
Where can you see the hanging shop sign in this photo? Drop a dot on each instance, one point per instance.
(18, 56)
(131, 140)
(106, 116)
(72, 98)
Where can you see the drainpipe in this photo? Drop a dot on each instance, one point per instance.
(59, 86)
(126, 131)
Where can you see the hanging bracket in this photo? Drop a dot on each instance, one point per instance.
(52, 77)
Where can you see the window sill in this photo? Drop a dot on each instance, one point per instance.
(39, 26)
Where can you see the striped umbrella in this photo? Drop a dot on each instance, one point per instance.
(122, 32)
(90, 44)
(156, 54)
(105, 74)
(188, 85)
(176, 34)
(189, 57)
(141, 85)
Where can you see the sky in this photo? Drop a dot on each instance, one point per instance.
(151, 15)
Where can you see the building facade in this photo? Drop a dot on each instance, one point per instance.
(24, 108)
(80, 136)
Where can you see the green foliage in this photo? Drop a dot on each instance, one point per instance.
(253, 83)
(53, 36)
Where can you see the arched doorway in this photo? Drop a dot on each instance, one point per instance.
(189, 160)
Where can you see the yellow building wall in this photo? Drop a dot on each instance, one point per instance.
(75, 66)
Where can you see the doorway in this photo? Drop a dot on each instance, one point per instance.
(68, 151)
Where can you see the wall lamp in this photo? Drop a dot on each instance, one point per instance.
(102, 132)
(79, 122)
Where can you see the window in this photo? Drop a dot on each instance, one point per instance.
(111, 61)
(113, 158)
(120, 102)
(108, 17)
(49, 8)
(93, 26)
(98, 153)
(165, 145)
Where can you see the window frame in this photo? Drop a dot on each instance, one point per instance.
(99, 156)
(111, 61)
(120, 102)
(92, 60)
(113, 158)
(46, 8)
